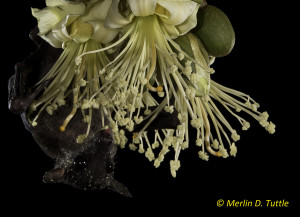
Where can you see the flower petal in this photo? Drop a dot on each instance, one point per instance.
(189, 23)
(114, 19)
(142, 7)
(97, 11)
(69, 8)
(49, 37)
(162, 12)
(54, 3)
(179, 10)
(60, 31)
(47, 18)
(172, 30)
(102, 34)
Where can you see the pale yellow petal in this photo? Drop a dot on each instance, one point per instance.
(97, 11)
(114, 19)
(179, 10)
(54, 3)
(102, 34)
(162, 12)
(142, 7)
(49, 37)
(172, 30)
(189, 23)
(76, 9)
(60, 30)
(47, 18)
(70, 8)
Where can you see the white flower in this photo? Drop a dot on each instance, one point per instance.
(158, 55)
(177, 16)
(54, 13)
(95, 16)
(154, 54)
(61, 22)
(77, 28)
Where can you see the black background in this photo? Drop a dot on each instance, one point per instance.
(264, 168)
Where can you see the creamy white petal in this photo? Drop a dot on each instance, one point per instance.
(161, 11)
(49, 37)
(77, 9)
(179, 10)
(60, 31)
(69, 8)
(102, 34)
(97, 11)
(47, 18)
(172, 30)
(114, 19)
(142, 7)
(189, 23)
(54, 3)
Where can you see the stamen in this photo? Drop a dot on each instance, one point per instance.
(108, 47)
(207, 132)
(62, 128)
(151, 71)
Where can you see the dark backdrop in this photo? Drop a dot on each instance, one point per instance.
(264, 168)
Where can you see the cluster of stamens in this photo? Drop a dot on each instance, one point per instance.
(124, 87)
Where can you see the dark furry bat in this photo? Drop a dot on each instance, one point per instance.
(89, 165)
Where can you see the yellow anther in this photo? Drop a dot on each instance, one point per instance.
(218, 154)
(134, 135)
(62, 128)
(159, 89)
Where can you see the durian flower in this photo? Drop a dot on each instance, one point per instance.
(77, 28)
(62, 22)
(158, 56)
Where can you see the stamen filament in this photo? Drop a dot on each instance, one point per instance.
(62, 128)
(207, 132)
(151, 71)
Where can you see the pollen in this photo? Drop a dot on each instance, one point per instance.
(62, 129)
(203, 155)
(159, 89)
